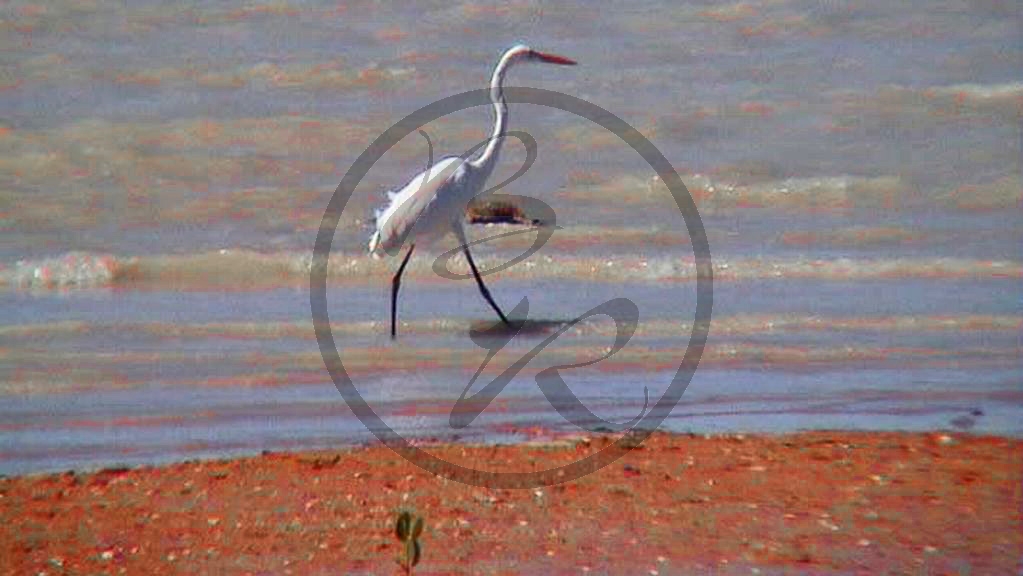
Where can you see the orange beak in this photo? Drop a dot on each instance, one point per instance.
(554, 59)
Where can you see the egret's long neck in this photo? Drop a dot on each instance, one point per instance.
(487, 160)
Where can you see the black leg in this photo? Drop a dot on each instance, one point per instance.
(483, 287)
(395, 284)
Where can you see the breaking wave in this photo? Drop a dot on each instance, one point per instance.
(243, 270)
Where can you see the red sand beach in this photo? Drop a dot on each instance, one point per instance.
(818, 502)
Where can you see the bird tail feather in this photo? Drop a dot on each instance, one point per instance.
(374, 242)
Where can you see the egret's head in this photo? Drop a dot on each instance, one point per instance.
(521, 52)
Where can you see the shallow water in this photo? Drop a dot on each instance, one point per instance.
(164, 172)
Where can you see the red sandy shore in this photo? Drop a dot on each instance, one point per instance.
(820, 502)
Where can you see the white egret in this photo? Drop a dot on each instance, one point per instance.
(433, 204)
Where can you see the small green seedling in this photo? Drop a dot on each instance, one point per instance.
(408, 529)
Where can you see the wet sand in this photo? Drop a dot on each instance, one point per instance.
(815, 502)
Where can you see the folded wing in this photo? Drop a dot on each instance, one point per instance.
(407, 207)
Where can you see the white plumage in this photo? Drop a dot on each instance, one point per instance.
(424, 209)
